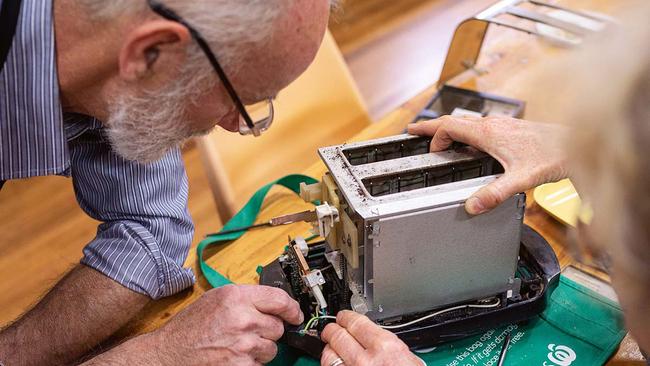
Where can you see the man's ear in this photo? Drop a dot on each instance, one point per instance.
(142, 46)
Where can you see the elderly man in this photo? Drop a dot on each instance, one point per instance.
(104, 92)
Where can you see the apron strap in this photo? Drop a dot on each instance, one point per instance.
(9, 15)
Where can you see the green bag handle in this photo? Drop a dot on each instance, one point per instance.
(245, 217)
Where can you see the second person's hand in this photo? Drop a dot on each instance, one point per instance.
(357, 341)
(531, 153)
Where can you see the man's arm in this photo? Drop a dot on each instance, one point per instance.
(83, 309)
(137, 255)
(145, 350)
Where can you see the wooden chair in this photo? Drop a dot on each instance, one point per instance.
(323, 107)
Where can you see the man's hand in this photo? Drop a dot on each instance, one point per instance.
(232, 325)
(531, 153)
(358, 342)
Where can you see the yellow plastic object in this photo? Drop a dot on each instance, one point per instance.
(561, 200)
(322, 107)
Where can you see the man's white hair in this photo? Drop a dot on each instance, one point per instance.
(143, 127)
(228, 26)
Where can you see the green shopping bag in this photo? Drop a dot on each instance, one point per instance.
(578, 328)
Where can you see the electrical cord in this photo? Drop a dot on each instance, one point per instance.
(473, 306)
(315, 319)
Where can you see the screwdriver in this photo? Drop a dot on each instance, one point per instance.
(504, 350)
(304, 216)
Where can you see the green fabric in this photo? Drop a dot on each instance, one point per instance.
(577, 322)
(245, 217)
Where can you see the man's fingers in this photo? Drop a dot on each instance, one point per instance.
(265, 351)
(274, 301)
(363, 329)
(447, 129)
(492, 195)
(441, 139)
(424, 128)
(270, 327)
(344, 344)
(328, 356)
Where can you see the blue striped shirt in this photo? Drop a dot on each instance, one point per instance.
(146, 228)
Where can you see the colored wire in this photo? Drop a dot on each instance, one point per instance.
(314, 320)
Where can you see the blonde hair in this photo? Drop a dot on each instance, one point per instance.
(610, 148)
(602, 92)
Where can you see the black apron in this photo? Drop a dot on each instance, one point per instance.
(9, 15)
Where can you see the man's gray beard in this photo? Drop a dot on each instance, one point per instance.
(144, 129)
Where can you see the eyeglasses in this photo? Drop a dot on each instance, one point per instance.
(257, 117)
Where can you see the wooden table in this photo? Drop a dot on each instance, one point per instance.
(508, 58)
(238, 261)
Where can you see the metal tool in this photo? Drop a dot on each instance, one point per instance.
(470, 35)
(504, 350)
(323, 216)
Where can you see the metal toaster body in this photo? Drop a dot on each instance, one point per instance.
(409, 245)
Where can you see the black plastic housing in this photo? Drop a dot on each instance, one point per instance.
(536, 255)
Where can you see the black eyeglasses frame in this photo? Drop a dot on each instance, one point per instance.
(255, 128)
